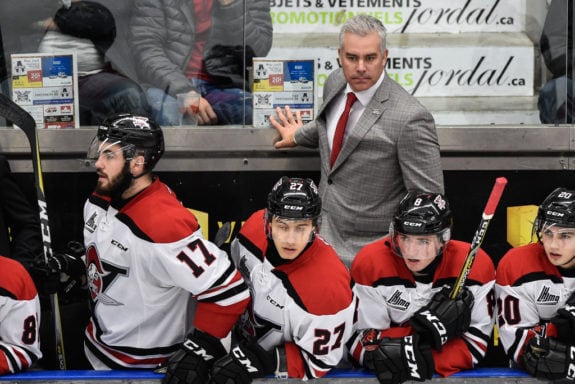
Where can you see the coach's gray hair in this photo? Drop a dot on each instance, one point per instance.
(362, 25)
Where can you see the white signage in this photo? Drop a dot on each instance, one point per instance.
(46, 86)
(279, 83)
(442, 71)
(400, 16)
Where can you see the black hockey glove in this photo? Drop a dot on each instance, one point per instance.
(549, 359)
(191, 364)
(45, 274)
(443, 318)
(246, 362)
(565, 320)
(399, 359)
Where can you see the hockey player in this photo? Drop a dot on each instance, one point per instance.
(302, 305)
(536, 293)
(20, 314)
(147, 261)
(408, 327)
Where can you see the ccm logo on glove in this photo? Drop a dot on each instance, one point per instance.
(410, 357)
(239, 354)
(197, 350)
(434, 320)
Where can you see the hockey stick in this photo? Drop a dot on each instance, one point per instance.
(13, 112)
(488, 212)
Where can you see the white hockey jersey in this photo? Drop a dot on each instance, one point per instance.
(20, 314)
(529, 292)
(145, 264)
(306, 305)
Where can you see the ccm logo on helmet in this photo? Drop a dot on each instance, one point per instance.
(553, 213)
(412, 224)
(293, 207)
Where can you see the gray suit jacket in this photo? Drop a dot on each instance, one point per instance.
(392, 149)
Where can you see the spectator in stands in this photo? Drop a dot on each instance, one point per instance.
(302, 303)
(535, 290)
(556, 45)
(20, 314)
(23, 24)
(147, 263)
(408, 325)
(390, 144)
(120, 53)
(89, 28)
(201, 47)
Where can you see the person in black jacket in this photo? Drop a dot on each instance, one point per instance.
(89, 28)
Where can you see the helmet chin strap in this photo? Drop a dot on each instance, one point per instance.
(568, 262)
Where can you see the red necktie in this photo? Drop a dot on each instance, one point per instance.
(340, 128)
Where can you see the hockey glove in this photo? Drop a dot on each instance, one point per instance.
(399, 359)
(549, 359)
(443, 318)
(49, 274)
(565, 320)
(191, 364)
(246, 362)
(46, 275)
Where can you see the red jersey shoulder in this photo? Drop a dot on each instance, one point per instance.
(320, 279)
(253, 230)
(159, 215)
(376, 261)
(454, 256)
(521, 261)
(15, 280)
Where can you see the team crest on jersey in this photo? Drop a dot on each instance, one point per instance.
(90, 224)
(101, 276)
(547, 298)
(398, 302)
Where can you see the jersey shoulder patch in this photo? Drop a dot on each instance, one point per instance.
(252, 234)
(15, 282)
(454, 255)
(318, 280)
(157, 215)
(524, 264)
(376, 264)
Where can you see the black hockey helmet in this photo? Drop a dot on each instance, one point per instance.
(294, 198)
(135, 134)
(557, 209)
(422, 213)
